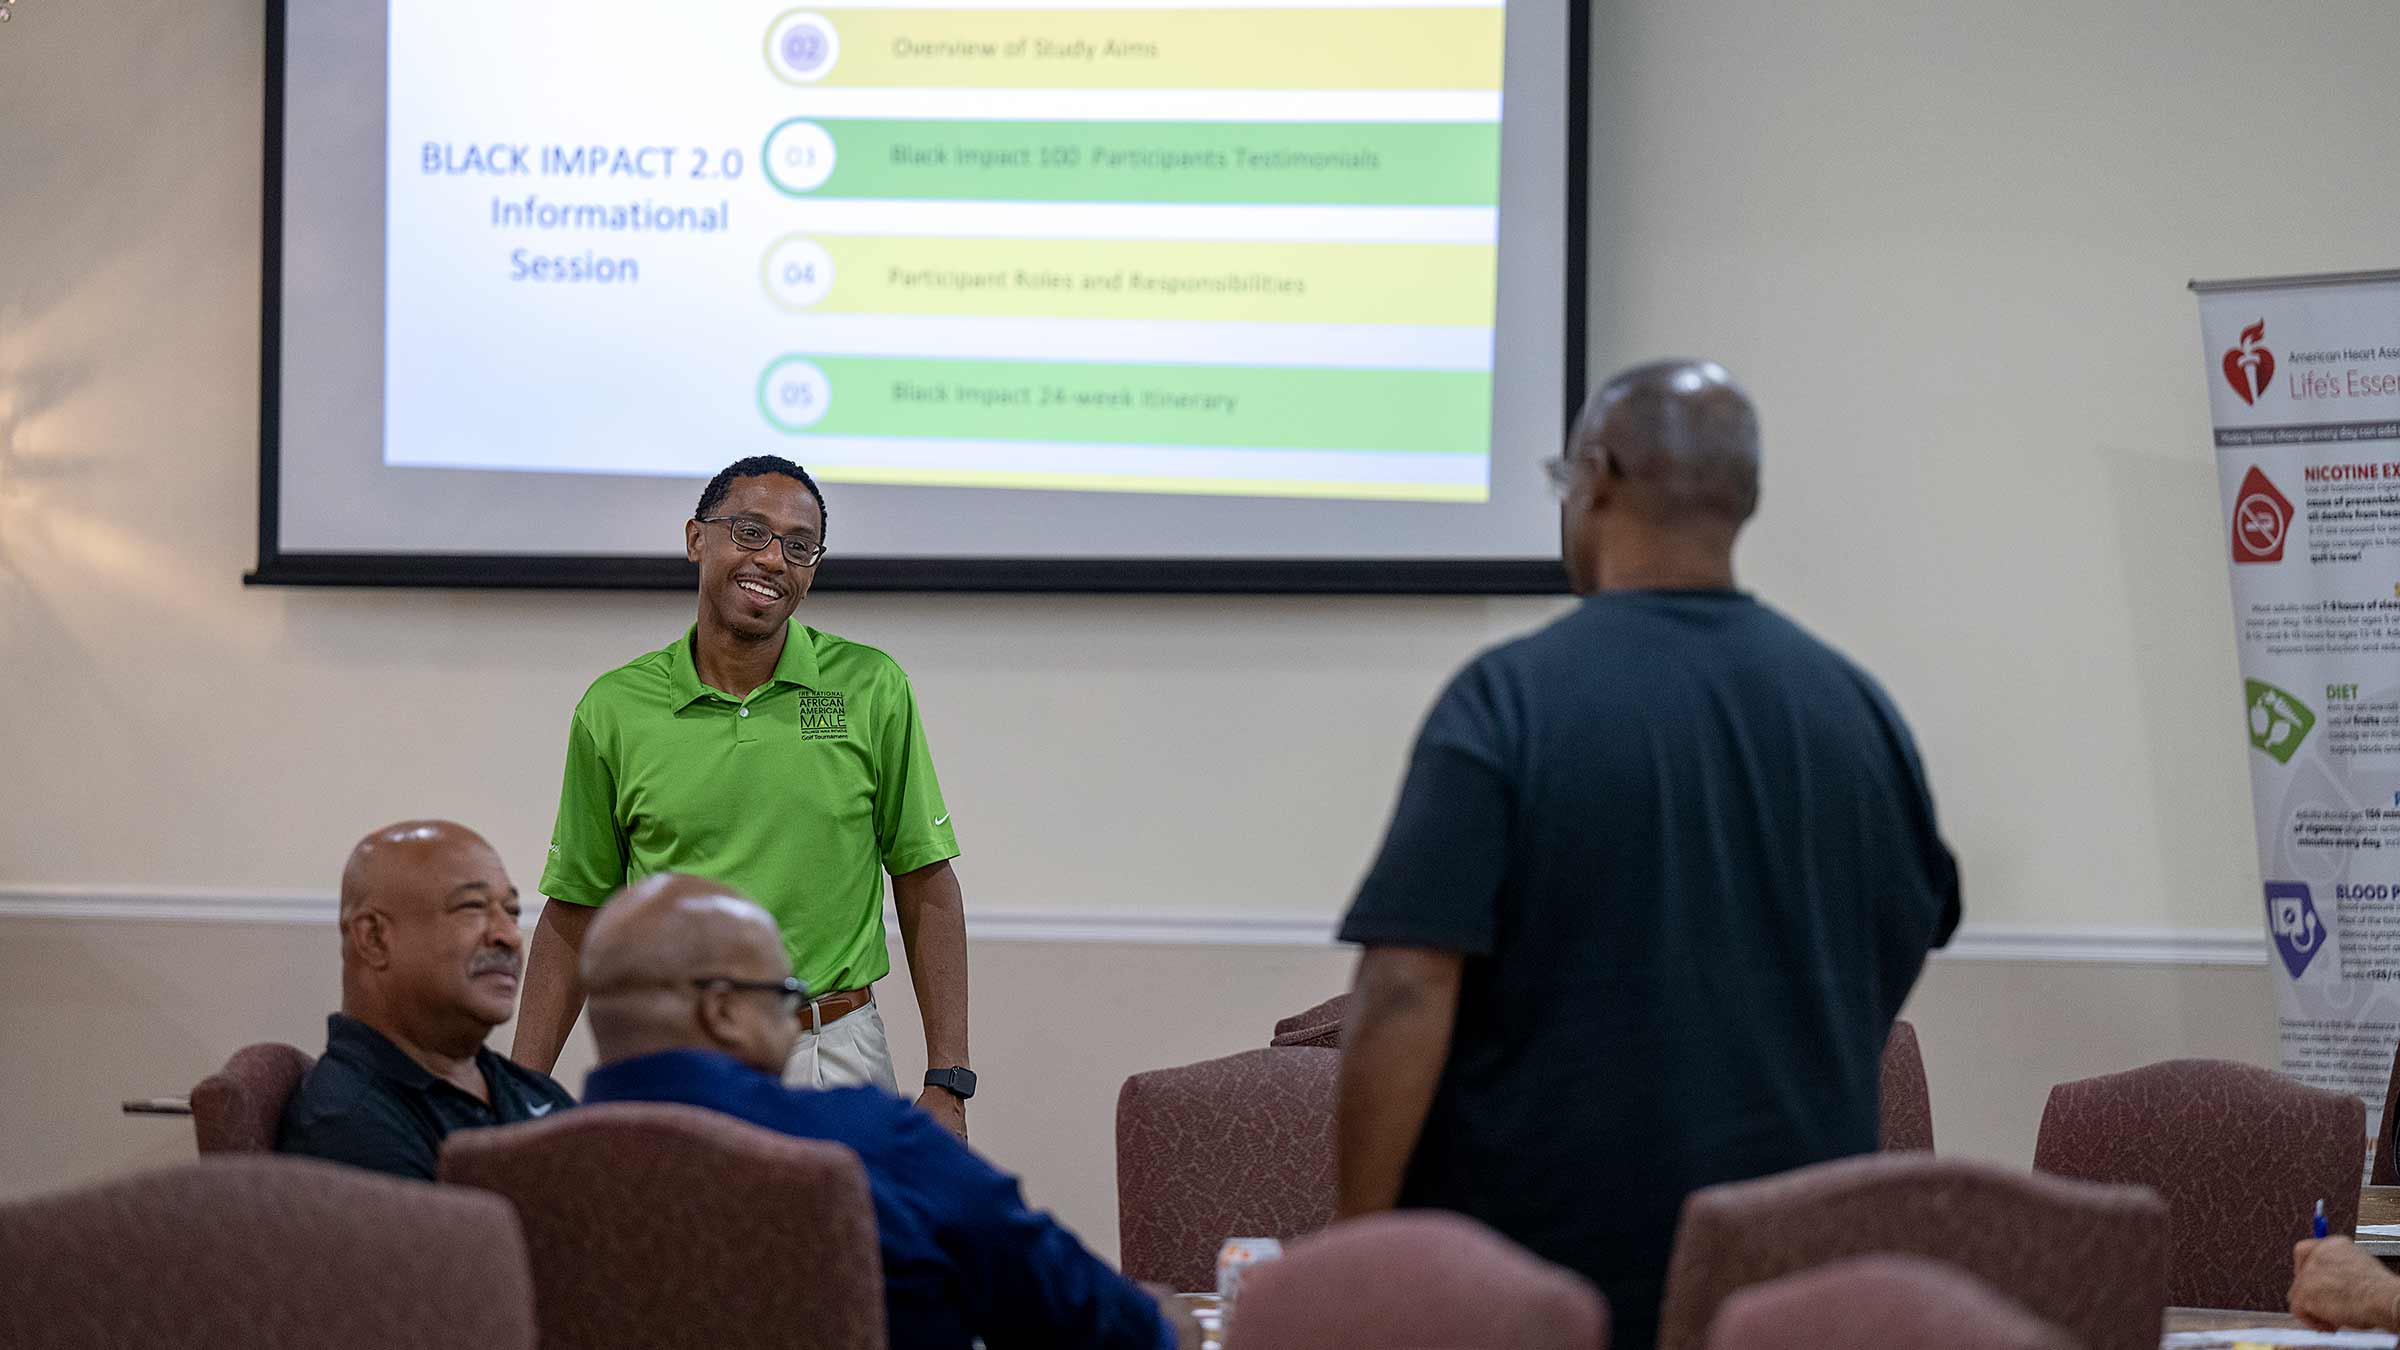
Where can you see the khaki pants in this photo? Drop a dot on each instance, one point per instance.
(847, 1052)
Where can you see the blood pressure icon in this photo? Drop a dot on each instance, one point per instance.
(2292, 919)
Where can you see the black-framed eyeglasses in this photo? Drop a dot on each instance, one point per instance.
(750, 536)
(1561, 469)
(792, 992)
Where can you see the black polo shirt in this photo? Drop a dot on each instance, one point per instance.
(1688, 853)
(366, 1103)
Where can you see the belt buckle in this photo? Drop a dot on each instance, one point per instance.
(816, 1010)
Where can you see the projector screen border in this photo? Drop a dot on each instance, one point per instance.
(1098, 575)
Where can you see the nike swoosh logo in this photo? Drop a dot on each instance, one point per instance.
(542, 1110)
(943, 821)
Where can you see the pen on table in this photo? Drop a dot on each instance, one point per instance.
(2320, 1223)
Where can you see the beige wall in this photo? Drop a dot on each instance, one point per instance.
(1944, 244)
(97, 1011)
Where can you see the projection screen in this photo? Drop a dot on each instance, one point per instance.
(1089, 295)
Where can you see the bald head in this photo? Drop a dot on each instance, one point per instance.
(674, 928)
(654, 946)
(430, 944)
(405, 864)
(1682, 435)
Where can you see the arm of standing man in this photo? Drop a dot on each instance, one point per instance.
(588, 859)
(1404, 1004)
(1429, 903)
(552, 996)
(933, 927)
(914, 835)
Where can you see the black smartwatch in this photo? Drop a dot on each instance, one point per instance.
(959, 1083)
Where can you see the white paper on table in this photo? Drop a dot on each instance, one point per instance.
(2379, 1230)
(2291, 1336)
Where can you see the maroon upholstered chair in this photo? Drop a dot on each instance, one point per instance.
(2384, 1172)
(239, 1108)
(2241, 1155)
(1320, 1025)
(1417, 1277)
(669, 1226)
(1892, 1302)
(266, 1253)
(1234, 1147)
(1907, 1105)
(2087, 1258)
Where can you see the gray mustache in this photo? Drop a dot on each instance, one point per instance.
(487, 961)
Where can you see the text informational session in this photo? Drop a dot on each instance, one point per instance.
(1277, 285)
(2304, 391)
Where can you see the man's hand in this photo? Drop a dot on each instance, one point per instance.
(944, 1106)
(2334, 1284)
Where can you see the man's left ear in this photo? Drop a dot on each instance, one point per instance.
(691, 540)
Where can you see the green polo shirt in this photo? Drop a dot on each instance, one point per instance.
(800, 796)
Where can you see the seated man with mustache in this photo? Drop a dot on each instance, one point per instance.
(431, 954)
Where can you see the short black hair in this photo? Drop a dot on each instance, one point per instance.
(756, 466)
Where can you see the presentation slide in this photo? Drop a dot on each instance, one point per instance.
(1006, 247)
(1121, 279)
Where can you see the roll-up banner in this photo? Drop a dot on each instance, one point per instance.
(2304, 392)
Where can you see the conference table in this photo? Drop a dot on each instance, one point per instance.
(1208, 1311)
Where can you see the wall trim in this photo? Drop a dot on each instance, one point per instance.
(150, 904)
(2109, 946)
(2083, 945)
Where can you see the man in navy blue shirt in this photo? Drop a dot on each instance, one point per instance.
(692, 1001)
(1660, 877)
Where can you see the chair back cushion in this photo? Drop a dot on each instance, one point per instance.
(263, 1252)
(1907, 1106)
(239, 1108)
(1415, 1278)
(2089, 1259)
(2241, 1155)
(1234, 1147)
(653, 1225)
(1320, 1025)
(1892, 1302)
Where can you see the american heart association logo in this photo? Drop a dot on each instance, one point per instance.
(2250, 367)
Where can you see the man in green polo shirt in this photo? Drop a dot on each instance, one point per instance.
(782, 762)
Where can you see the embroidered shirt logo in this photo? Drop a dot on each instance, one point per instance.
(824, 717)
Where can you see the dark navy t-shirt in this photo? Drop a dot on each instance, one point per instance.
(1690, 856)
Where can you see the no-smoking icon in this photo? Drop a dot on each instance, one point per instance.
(2262, 519)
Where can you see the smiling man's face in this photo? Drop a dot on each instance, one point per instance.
(752, 594)
(450, 946)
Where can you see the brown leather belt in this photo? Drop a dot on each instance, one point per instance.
(834, 1007)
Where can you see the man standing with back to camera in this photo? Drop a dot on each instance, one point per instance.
(786, 763)
(1660, 878)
